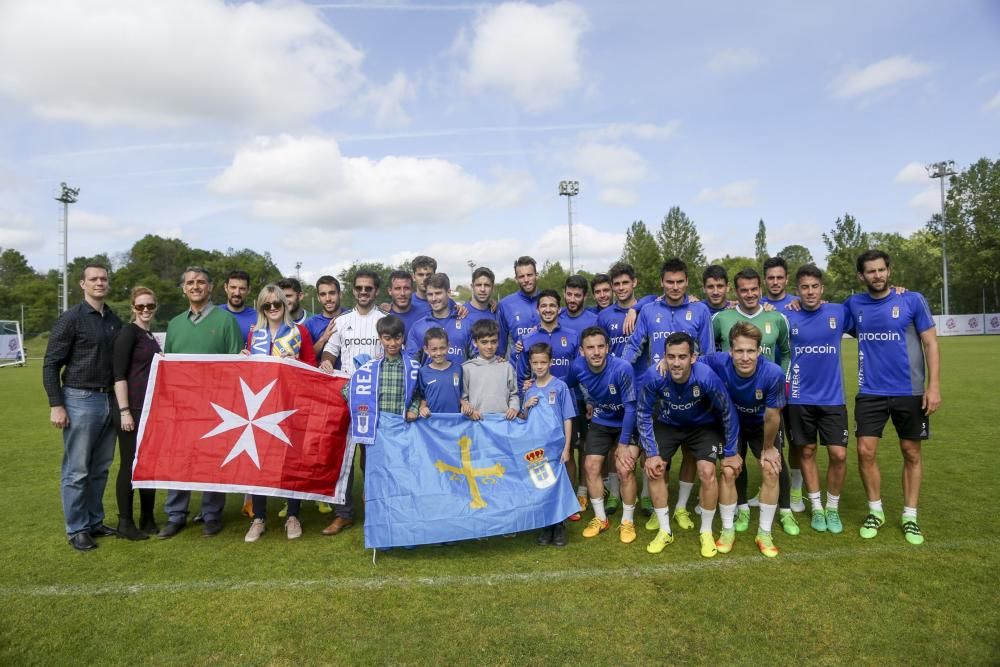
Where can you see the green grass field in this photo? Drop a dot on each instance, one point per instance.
(826, 600)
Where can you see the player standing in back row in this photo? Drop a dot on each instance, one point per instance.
(898, 378)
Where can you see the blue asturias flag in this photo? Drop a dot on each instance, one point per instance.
(449, 478)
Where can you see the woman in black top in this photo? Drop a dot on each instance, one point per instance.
(133, 355)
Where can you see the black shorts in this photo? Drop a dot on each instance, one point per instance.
(704, 442)
(827, 422)
(580, 425)
(601, 440)
(907, 414)
(753, 439)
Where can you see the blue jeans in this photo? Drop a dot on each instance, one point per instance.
(88, 450)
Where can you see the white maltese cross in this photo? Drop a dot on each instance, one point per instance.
(246, 442)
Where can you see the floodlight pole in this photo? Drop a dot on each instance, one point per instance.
(67, 196)
(940, 170)
(570, 189)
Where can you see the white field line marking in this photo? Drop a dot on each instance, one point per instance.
(496, 579)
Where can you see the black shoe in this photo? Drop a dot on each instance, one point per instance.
(102, 531)
(127, 530)
(559, 535)
(544, 536)
(82, 542)
(211, 528)
(148, 526)
(170, 530)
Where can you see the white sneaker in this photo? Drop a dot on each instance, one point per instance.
(293, 529)
(256, 530)
(798, 506)
(755, 501)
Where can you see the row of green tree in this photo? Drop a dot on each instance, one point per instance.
(970, 233)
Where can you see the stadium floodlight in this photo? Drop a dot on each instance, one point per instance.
(941, 170)
(570, 189)
(67, 196)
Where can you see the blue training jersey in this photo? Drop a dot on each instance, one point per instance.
(565, 348)
(814, 371)
(555, 396)
(442, 389)
(246, 318)
(658, 319)
(700, 401)
(779, 304)
(517, 314)
(611, 392)
(890, 354)
(586, 319)
(752, 395)
(410, 317)
(459, 337)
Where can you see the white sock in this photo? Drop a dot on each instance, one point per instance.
(645, 486)
(707, 516)
(598, 505)
(815, 499)
(727, 513)
(663, 516)
(766, 518)
(581, 490)
(628, 512)
(796, 480)
(875, 506)
(909, 513)
(614, 485)
(832, 501)
(683, 494)
(743, 507)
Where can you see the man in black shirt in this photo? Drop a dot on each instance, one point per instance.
(79, 348)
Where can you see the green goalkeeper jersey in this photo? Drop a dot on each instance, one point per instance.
(773, 328)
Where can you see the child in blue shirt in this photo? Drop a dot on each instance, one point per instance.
(439, 383)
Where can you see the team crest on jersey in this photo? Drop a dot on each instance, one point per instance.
(552, 397)
(454, 379)
(563, 341)
(696, 391)
(767, 327)
(833, 322)
(758, 394)
(612, 390)
(517, 317)
(687, 316)
(895, 312)
(657, 319)
(458, 324)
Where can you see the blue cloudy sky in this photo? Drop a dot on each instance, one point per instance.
(340, 131)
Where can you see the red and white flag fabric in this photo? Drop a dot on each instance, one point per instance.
(239, 424)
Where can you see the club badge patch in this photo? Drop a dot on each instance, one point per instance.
(833, 322)
(563, 341)
(767, 327)
(895, 312)
(687, 316)
(696, 391)
(759, 394)
(454, 379)
(552, 397)
(612, 390)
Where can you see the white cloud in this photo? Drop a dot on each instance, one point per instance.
(529, 52)
(307, 180)
(878, 75)
(994, 103)
(734, 61)
(927, 202)
(613, 167)
(17, 231)
(914, 172)
(618, 196)
(647, 131)
(738, 194)
(98, 224)
(386, 101)
(160, 64)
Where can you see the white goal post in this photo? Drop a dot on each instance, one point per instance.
(11, 344)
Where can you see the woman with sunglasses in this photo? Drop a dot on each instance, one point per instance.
(276, 335)
(132, 357)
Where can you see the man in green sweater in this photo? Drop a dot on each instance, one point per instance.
(201, 329)
(774, 347)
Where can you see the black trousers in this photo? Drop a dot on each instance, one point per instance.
(123, 484)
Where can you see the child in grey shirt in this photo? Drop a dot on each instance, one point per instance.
(489, 384)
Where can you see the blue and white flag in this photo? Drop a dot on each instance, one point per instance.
(449, 478)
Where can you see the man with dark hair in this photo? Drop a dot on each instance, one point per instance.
(80, 350)
(237, 285)
(517, 313)
(898, 378)
(774, 347)
(480, 306)
(322, 324)
(201, 329)
(423, 267)
(600, 287)
(575, 315)
(817, 413)
(293, 294)
(564, 343)
(715, 283)
(776, 280)
(437, 287)
(402, 303)
(757, 389)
